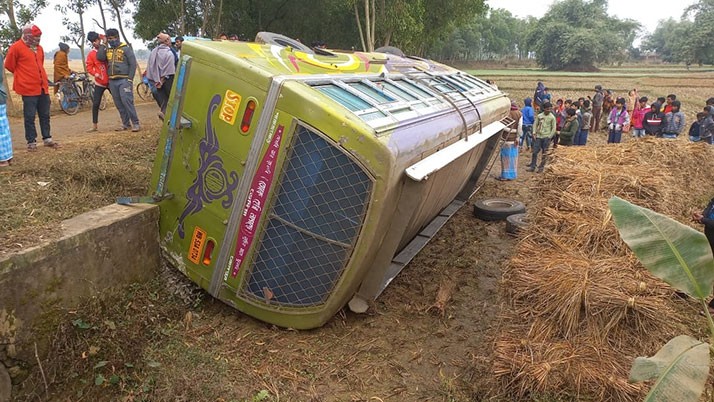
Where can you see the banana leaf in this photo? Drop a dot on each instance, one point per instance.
(673, 252)
(681, 368)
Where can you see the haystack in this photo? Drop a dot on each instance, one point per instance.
(582, 307)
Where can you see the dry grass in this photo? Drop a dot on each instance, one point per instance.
(50, 186)
(583, 306)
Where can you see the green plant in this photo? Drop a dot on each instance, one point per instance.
(679, 255)
(261, 396)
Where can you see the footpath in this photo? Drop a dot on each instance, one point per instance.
(68, 129)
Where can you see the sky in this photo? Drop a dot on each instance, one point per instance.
(648, 16)
(52, 28)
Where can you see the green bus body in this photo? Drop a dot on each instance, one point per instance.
(281, 174)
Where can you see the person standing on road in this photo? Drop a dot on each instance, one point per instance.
(25, 60)
(538, 96)
(597, 100)
(528, 120)
(98, 69)
(160, 71)
(544, 131)
(121, 66)
(5, 137)
(61, 65)
(176, 48)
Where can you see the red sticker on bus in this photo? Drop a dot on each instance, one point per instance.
(258, 194)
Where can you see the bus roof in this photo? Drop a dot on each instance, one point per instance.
(280, 60)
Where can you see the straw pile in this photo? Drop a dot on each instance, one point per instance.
(582, 307)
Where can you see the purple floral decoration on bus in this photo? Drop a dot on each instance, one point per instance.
(212, 181)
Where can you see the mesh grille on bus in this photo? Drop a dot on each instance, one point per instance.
(316, 218)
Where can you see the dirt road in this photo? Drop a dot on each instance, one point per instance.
(70, 129)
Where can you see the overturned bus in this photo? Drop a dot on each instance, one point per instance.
(292, 182)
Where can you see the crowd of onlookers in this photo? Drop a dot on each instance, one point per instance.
(545, 123)
(112, 64)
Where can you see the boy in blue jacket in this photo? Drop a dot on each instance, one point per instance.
(528, 120)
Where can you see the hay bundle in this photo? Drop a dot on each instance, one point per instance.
(583, 307)
(547, 365)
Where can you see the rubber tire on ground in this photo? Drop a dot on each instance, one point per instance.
(272, 38)
(496, 209)
(515, 223)
(390, 50)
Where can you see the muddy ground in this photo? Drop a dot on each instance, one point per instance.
(167, 341)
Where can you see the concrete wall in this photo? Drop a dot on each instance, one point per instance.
(111, 246)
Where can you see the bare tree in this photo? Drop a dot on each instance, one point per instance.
(367, 34)
(103, 24)
(207, 11)
(76, 28)
(218, 21)
(359, 27)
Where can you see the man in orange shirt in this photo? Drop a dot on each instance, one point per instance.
(25, 59)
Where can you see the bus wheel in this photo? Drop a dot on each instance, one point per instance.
(281, 40)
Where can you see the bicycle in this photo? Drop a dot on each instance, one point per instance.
(73, 96)
(144, 89)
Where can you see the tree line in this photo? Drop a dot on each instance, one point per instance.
(572, 35)
(687, 39)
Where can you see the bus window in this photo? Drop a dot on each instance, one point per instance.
(343, 97)
(441, 85)
(451, 83)
(397, 91)
(373, 115)
(481, 84)
(420, 89)
(459, 80)
(374, 93)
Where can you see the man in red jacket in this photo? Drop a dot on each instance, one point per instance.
(98, 69)
(25, 60)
